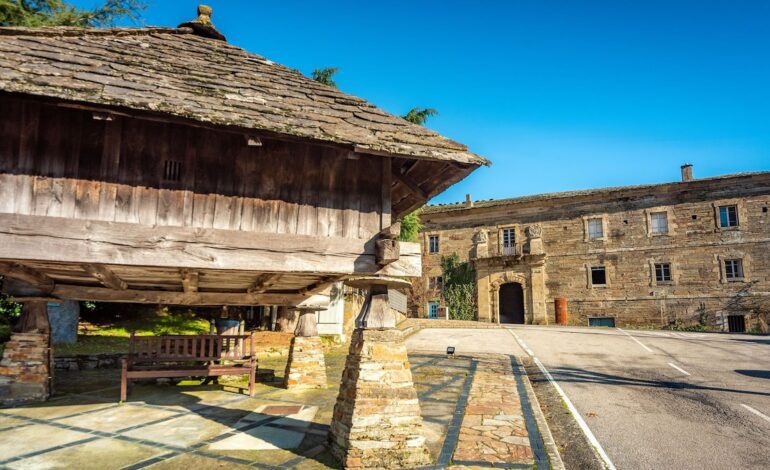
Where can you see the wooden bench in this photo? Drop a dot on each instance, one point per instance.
(188, 356)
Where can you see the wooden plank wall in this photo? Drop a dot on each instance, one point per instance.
(62, 162)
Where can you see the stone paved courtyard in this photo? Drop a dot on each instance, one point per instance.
(189, 425)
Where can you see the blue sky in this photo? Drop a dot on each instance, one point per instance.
(560, 95)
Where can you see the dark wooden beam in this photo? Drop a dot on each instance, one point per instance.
(413, 186)
(320, 285)
(100, 294)
(264, 282)
(27, 275)
(105, 276)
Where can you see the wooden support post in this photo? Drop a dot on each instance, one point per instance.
(376, 313)
(307, 325)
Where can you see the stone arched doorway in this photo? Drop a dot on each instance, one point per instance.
(511, 303)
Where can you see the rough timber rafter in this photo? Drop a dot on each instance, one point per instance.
(28, 275)
(105, 276)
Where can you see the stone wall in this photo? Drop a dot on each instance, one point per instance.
(25, 374)
(695, 246)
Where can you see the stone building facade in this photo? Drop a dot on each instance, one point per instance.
(690, 251)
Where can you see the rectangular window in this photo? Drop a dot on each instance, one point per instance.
(728, 216)
(432, 309)
(595, 229)
(659, 222)
(509, 241)
(598, 276)
(436, 282)
(662, 272)
(433, 244)
(734, 269)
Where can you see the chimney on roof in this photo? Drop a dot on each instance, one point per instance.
(202, 25)
(687, 172)
(468, 201)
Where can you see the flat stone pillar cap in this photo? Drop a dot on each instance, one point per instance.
(364, 282)
(314, 303)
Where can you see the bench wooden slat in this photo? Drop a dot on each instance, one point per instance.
(160, 356)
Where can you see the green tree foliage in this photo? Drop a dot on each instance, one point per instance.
(419, 115)
(325, 75)
(459, 287)
(410, 227)
(35, 13)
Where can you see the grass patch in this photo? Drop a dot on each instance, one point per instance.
(93, 345)
(157, 326)
(113, 337)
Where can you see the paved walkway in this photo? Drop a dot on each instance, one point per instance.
(209, 427)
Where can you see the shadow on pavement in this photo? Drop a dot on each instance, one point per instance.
(576, 375)
(760, 374)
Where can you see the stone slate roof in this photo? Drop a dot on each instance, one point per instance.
(175, 72)
(609, 193)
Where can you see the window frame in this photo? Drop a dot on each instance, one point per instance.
(745, 266)
(432, 237)
(736, 214)
(736, 263)
(590, 273)
(664, 265)
(586, 229)
(436, 283)
(653, 216)
(501, 239)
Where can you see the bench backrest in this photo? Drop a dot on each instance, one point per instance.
(178, 348)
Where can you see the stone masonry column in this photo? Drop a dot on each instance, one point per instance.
(25, 369)
(306, 367)
(376, 421)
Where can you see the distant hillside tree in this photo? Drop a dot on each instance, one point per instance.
(420, 115)
(35, 13)
(325, 75)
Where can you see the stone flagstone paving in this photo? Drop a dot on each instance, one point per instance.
(193, 426)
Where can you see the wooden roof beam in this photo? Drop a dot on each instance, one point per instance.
(101, 294)
(22, 238)
(263, 283)
(412, 185)
(320, 285)
(27, 275)
(105, 276)
(190, 280)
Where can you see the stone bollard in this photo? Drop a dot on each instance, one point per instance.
(376, 421)
(306, 367)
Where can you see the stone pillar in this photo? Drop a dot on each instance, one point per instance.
(537, 283)
(25, 369)
(306, 367)
(376, 421)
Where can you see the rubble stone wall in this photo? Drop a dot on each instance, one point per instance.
(695, 246)
(25, 369)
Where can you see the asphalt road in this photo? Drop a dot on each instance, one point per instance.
(660, 399)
